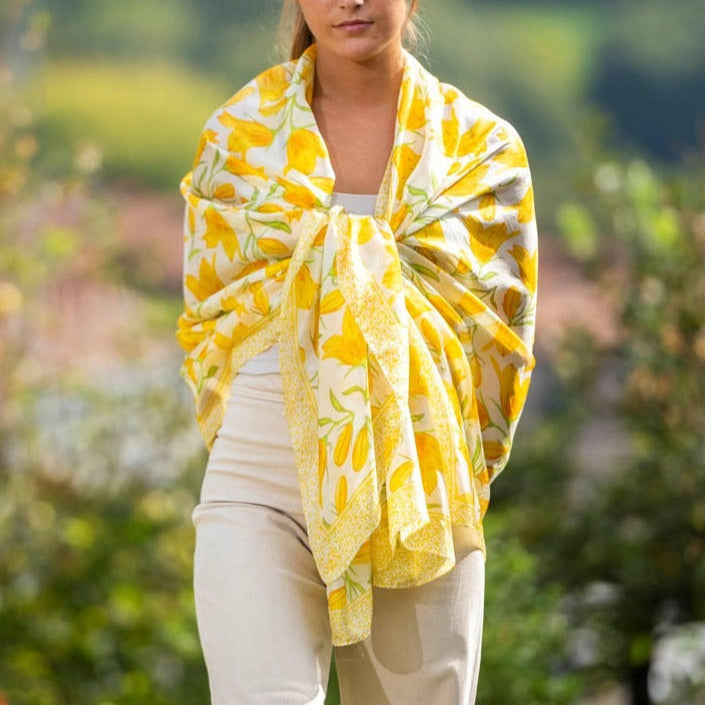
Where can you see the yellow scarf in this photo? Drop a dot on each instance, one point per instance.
(405, 338)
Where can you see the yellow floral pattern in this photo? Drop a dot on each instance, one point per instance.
(405, 337)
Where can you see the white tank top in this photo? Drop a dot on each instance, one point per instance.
(267, 362)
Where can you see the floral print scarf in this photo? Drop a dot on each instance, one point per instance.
(405, 337)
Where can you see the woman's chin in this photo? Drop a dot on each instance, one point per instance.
(359, 49)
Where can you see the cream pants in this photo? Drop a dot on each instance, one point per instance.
(261, 605)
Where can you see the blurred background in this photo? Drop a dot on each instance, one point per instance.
(596, 571)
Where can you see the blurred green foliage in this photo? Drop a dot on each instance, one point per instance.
(524, 645)
(551, 68)
(96, 603)
(139, 117)
(639, 528)
(649, 76)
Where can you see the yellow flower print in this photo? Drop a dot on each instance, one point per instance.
(272, 85)
(240, 167)
(417, 384)
(222, 341)
(494, 450)
(206, 137)
(320, 237)
(483, 415)
(400, 475)
(224, 192)
(450, 94)
(488, 206)
(297, 195)
(464, 334)
(415, 119)
(207, 283)
(466, 498)
(427, 447)
(341, 494)
(512, 390)
(429, 477)
(450, 133)
(251, 268)
(270, 208)
(342, 445)
(470, 184)
(512, 155)
(273, 248)
(511, 302)
(432, 234)
(528, 265)
(232, 303)
(259, 297)
(485, 241)
(331, 302)
(456, 358)
(350, 347)
(392, 278)
(405, 161)
(190, 369)
(276, 270)
(245, 134)
(187, 337)
(474, 140)
(337, 599)
(431, 335)
(446, 310)
(365, 231)
(526, 207)
(304, 288)
(273, 108)
(218, 231)
(399, 216)
(323, 182)
(240, 96)
(475, 370)
(470, 304)
(240, 332)
(430, 459)
(302, 150)
(361, 449)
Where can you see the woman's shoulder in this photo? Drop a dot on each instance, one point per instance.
(469, 123)
(470, 111)
(466, 123)
(261, 95)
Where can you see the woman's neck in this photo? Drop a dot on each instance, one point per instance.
(343, 82)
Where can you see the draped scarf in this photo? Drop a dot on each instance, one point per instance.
(405, 338)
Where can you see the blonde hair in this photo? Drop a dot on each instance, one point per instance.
(295, 36)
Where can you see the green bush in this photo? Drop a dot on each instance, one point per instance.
(145, 120)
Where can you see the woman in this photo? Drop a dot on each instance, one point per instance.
(360, 276)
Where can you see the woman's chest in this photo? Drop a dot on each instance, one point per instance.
(359, 146)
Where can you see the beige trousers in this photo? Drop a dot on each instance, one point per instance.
(261, 605)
